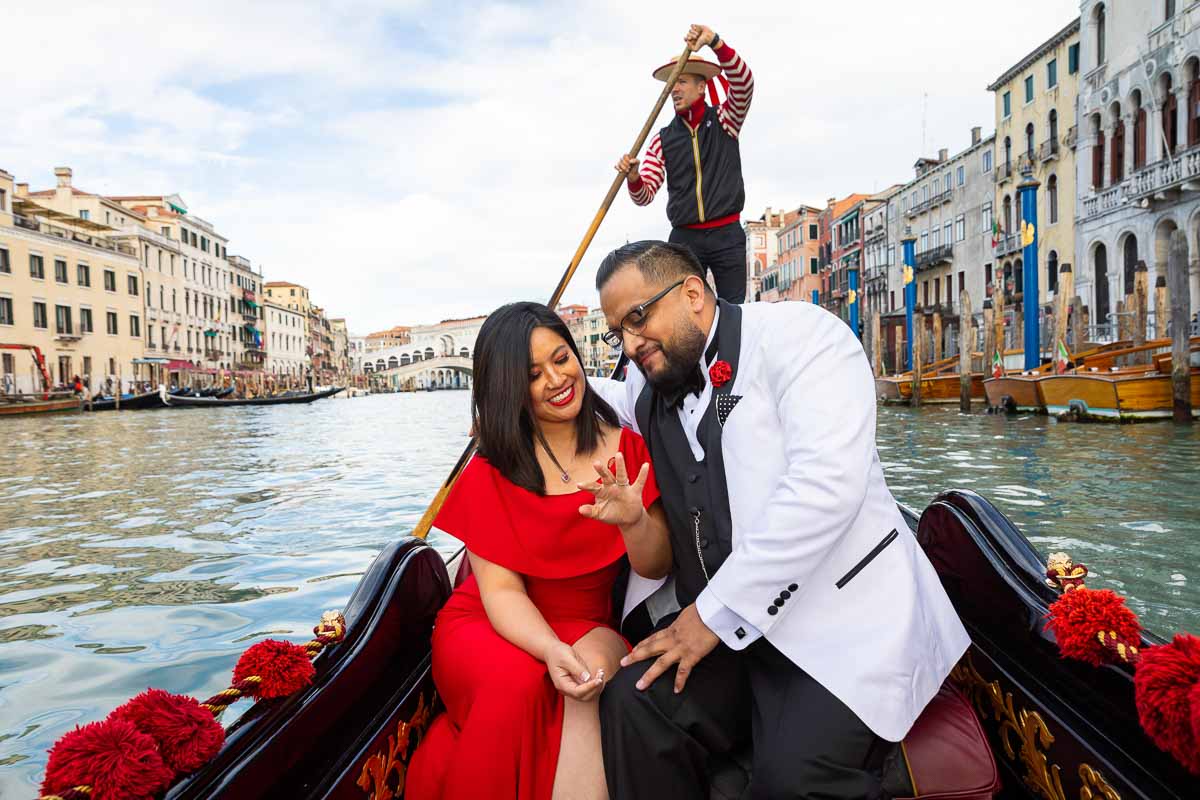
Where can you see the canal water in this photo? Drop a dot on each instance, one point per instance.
(151, 548)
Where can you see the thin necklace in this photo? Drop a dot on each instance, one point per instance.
(561, 472)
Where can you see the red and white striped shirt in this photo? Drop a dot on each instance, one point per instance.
(731, 113)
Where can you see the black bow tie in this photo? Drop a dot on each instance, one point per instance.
(693, 383)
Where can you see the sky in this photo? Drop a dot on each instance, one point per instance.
(414, 161)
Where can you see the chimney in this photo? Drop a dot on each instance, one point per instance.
(943, 154)
(22, 190)
(832, 200)
(976, 135)
(64, 177)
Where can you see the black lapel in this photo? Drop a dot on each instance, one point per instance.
(729, 346)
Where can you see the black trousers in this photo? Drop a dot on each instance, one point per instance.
(722, 250)
(807, 743)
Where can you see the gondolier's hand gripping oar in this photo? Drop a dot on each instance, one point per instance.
(426, 522)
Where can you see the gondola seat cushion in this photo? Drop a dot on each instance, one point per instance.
(946, 756)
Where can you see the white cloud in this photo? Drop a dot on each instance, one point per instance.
(291, 126)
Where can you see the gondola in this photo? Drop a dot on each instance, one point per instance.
(128, 402)
(1035, 725)
(305, 397)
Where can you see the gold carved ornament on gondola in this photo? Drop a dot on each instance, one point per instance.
(156, 738)
(1095, 626)
(384, 772)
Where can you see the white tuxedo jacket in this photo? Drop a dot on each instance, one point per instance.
(814, 525)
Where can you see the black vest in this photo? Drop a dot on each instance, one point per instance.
(704, 171)
(695, 496)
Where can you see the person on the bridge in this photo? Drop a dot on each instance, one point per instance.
(699, 157)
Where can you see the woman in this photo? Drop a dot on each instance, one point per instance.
(523, 648)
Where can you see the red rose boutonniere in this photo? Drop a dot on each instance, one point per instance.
(720, 373)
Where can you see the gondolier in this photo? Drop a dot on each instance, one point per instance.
(699, 158)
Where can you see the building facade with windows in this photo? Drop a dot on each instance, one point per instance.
(71, 288)
(762, 248)
(879, 250)
(1036, 131)
(947, 206)
(209, 325)
(248, 345)
(1139, 152)
(796, 273)
(285, 335)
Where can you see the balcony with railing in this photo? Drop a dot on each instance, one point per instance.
(1176, 173)
(874, 233)
(1008, 244)
(100, 242)
(1002, 173)
(1048, 150)
(935, 255)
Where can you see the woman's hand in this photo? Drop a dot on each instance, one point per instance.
(570, 674)
(618, 502)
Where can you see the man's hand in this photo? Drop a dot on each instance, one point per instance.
(628, 166)
(685, 642)
(698, 36)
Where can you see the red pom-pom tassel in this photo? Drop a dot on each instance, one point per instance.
(1167, 690)
(113, 757)
(284, 667)
(1080, 615)
(187, 733)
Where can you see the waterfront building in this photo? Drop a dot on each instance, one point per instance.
(320, 345)
(948, 207)
(586, 327)
(761, 248)
(357, 348)
(161, 261)
(245, 301)
(796, 272)
(880, 245)
(341, 348)
(1036, 131)
(393, 337)
(844, 221)
(69, 286)
(209, 327)
(1139, 151)
(826, 245)
(289, 295)
(285, 335)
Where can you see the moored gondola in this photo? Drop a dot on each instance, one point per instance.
(220, 401)
(129, 402)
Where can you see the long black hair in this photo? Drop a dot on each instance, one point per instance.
(500, 406)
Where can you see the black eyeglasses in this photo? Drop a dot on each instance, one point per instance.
(635, 320)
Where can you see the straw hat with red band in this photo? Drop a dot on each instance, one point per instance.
(698, 66)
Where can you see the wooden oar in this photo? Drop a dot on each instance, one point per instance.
(426, 522)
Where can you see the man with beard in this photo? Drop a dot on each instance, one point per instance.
(800, 610)
(699, 157)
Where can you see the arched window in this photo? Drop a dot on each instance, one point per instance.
(1170, 9)
(1100, 35)
(1052, 198)
(1193, 107)
(429, 353)
(405, 360)
(1170, 116)
(416, 356)
(1007, 154)
(1007, 211)
(1098, 154)
(1053, 131)
(1018, 276)
(380, 365)
(1139, 132)
(1052, 271)
(393, 362)
(1118, 151)
(1130, 259)
(1101, 278)
(465, 353)
(1030, 148)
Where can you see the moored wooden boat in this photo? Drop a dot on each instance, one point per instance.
(285, 399)
(1114, 397)
(1013, 393)
(13, 404)
(129, 402)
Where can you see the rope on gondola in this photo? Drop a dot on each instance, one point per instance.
(1095, 626)
(151, 741)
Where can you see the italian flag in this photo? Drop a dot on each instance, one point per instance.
(997, 365)
(1061, 359)
(995, 232)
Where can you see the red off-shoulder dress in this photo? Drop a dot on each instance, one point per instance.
(499, 737)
